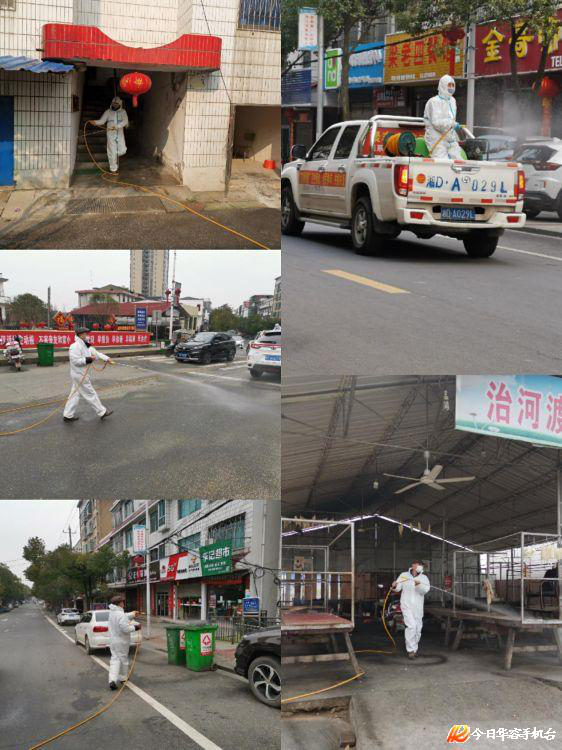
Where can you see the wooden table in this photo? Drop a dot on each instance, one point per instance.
(313, 627)
(470, 624)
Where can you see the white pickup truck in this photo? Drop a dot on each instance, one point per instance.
(347, 180)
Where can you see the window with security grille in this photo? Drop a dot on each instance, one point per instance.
(7, 4)
(233, 529)
(261, 15)
(188, 543)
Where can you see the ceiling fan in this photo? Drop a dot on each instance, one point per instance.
(428, 478)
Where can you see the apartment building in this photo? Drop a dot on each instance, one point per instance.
(95, 523)
(181, 533)
(214, 70)
(149, 270)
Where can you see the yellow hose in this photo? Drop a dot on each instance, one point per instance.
(58, 408)
(361, 651)
(105, 175)
(97, 713)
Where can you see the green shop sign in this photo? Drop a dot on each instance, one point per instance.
(216, 558)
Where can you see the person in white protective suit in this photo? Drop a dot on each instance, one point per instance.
(414, 585)
(441, 126)
(115, 120)
(81, 354)
(120, 629)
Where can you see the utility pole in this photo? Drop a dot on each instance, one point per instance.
(173, 296)
(69, 532)
(147, 566)
(470, 80)
(320, 86)
(48, 307)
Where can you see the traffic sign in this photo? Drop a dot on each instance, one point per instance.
(251, 605)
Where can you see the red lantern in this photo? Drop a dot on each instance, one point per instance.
(135, 84)
(452, 35)
(96, 326)
(107, 327)
(41, 325)
(548, 89)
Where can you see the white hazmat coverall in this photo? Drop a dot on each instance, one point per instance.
(115, 121)
(411, 603)
(440, 117)
(77, 354)
(120, 629)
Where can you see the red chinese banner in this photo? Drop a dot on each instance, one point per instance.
(492, 50)
(63, 339)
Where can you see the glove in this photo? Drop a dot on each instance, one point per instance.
(137, 627)
(89, 360)
(458, 127)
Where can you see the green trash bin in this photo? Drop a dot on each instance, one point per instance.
(199, 646)
(46, 355)
(175, 640)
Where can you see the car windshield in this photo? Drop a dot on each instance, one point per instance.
(202, 338)
(271, 337)
(101, 616)
(531, 153)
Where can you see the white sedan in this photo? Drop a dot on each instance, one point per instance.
(68, 616)
(93, 631)
(264, 353)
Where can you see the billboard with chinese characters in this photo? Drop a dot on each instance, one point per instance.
(408, 60)
(366, 66)
(492, 50)
(181, 566)
(139, 538)
(308, 29)
(519, 407)
(216, 558)
(63, 339)
(141, 318)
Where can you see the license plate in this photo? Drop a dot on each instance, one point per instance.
(457, 214)
(182, 356)
(273, 357)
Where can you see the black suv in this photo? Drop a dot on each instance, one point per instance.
(258, 659)
(205, 347)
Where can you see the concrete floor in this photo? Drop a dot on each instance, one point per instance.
(414, 704)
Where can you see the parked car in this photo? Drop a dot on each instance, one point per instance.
(500, 145)
(264, 353)
(258, 659)
(205, 347)
(239, 341)
(93, 630)
(68, 616)
(542, 161)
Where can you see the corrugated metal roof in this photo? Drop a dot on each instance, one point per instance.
(341, 435)
(32, 65)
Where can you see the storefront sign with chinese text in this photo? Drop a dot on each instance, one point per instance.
(415, 60)
(216, 558)
(366, 66)
(139, 537)
(308, 29)
(332, 69)
(63, 339)
(519, 407)
(492, 50)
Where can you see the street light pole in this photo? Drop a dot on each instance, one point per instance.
(173, 297)
(320, 86)
(147, 569)
(470, 79)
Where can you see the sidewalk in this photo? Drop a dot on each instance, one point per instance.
(31, 357)
(547, 223)
(224, 650)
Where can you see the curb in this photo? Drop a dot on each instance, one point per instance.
(33, 359)
(539, 232)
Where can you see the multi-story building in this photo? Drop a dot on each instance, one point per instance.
(265, 307)
(204, 307)
(253, 306)
(149, 272)
(179, 531)
(95, 523)
(276, 307)
(4, 301)
(117, 294)
(214, 68)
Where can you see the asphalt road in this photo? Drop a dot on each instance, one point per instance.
(177, 431)
(48, 684)
(422, 306)
(179, 230)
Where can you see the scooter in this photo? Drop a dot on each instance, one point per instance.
(15, 357)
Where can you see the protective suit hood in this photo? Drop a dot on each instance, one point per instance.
(442, 89)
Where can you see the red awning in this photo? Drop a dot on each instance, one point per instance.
(89, 45)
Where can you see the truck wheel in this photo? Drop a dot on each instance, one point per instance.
(365, 240)
(480, 247)
(290, 223)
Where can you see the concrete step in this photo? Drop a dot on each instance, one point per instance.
(95, 147)
(83, 168)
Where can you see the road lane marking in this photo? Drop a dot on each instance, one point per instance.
(530, 252)
(240, 380)
(180, 724)
(366, 282)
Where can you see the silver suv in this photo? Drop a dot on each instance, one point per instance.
(542, 161)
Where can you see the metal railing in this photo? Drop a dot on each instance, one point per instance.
(234, 628)
(261, 15)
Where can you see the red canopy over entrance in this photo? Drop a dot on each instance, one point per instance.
(87, 44)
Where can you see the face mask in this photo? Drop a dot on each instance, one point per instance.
(86, 341)
(115, 107)
(419, 569)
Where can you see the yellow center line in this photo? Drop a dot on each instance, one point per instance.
(366, 282)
